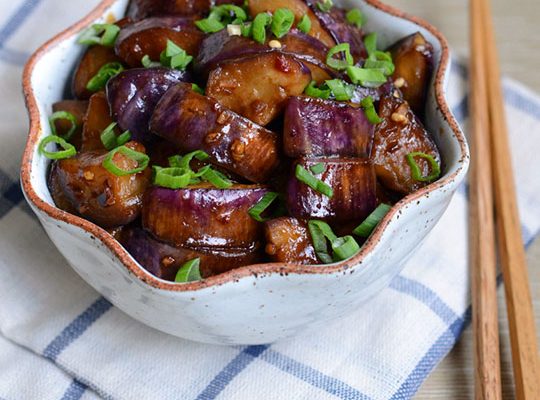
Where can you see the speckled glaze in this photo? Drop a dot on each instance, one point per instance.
(253, 304)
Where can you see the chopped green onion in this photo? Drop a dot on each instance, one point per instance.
(325, 5)
(65, 116)
(305, 24)
(106, 72)
(217, 179)
(175, 57)
(246, 29)
(185, 161)
(258, 29)
(189, 272)
(319, 92)
(344, 248)
(257, 210)
(197, 89)
(172, 178)
(317, 168)
(228, 14)
(123, 138)
(303, 175)
(320, 231)
(386, 67)
(103, 34)
(370, 42)
(342, 90)
(148, 63)
(355, 17)
(369, 110)
(209, 25)
(141, 158)
(373, 219)
(110, 140)
(366, 77)
(336, 63)
(282, 22)
(416, 172)
(67, 152)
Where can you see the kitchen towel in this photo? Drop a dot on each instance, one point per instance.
(62, 340)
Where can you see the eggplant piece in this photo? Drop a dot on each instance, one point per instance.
(97, 194)
(97, 118)
(413, 59)
(93, 59)
(149, 37)
(139, 9)
(288, 240)
(164, 260)
(400, 133)
(299, 9)
(361, 92)
(203, 216)
(195, 122)
(57, 191)
(133, 95)
(316, 127)
(221, 47)
(258, 87)
(354, 191)
(77, 108)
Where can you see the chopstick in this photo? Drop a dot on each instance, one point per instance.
(482, 225)
(525, 358)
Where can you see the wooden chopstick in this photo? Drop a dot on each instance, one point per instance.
(482, 225)
(511, 250)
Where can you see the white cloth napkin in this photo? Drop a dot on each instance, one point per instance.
(62, 340)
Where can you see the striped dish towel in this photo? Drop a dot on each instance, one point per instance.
(61, 340)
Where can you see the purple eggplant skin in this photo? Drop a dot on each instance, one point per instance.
(354, 191)
(163, 260)
(221, 47)
(203, 216)
(133, 95)
(361, 92)
(321, 128)
(139, 9)
(195, 122)
(288, 240)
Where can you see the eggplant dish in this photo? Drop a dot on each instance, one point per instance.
(208, 135)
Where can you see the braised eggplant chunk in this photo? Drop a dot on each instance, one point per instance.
(317, 127)
(96, 119)
(347, 193)
(192, 122)
(258, 87)
(164, 261)
(96, 193)
(413, 60)
(401, 134)
(203, 216)
(139, 9)
(77, 110)
(287, 240)
(149, 38)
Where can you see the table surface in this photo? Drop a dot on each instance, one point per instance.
(516, 24)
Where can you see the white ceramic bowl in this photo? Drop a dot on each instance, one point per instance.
(254, 304)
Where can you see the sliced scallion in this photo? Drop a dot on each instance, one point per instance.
(172, 178)
(340, 64)
(63, 115)
(258, 28)
(373, 219)
(369, 110)
(189, 272)
(68, 150)
(344, 248)
(304, 176)
(305, 24)
(317, 168)
(320, 232)
(325, 5)
(197, 89)
(416, 171)
(322, 92)
(141, 159)
(282, 22)
(110, 140)
(106, 72)
(258, 209)
(355, 17)
(209, 25)
(217, 179)
(366, 77)
(102, 34)
(341, 90)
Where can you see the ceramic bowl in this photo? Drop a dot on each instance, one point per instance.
(253, 304)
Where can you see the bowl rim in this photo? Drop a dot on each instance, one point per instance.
(260, 270)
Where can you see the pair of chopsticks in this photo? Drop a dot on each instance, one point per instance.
(493, 198)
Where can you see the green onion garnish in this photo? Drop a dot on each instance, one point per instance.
(369, 110)
(305, 24)
(175, 57)
(366, 77)
(355, 17)
(209, 25)
(246, 29)
(217, 179)
(416, 172)
(370, 42)
(373, 219)
(325, 5)
(320, 231)
(228, 14)
(317, 168)
(106, 72)
(185, 161)
(282, 22)
(141, 158)
(148, 63)
(65, 116)
(338, 64)
(172, 178)
(189, 272)
(303, 175)
(110, 140)
(103, 34)
(197, 89)
(386, 67)
(258, 29)
(342, 90)
(67, 152)
(344, 248)
(259, 208)
(322, 92)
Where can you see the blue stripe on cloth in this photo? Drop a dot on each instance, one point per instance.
(428, 297)
(10, 193)
(76, 328)
(461, 111)
(15, 57)
(74, 391)
(230, 371)
(16, 20)
(521, 102)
